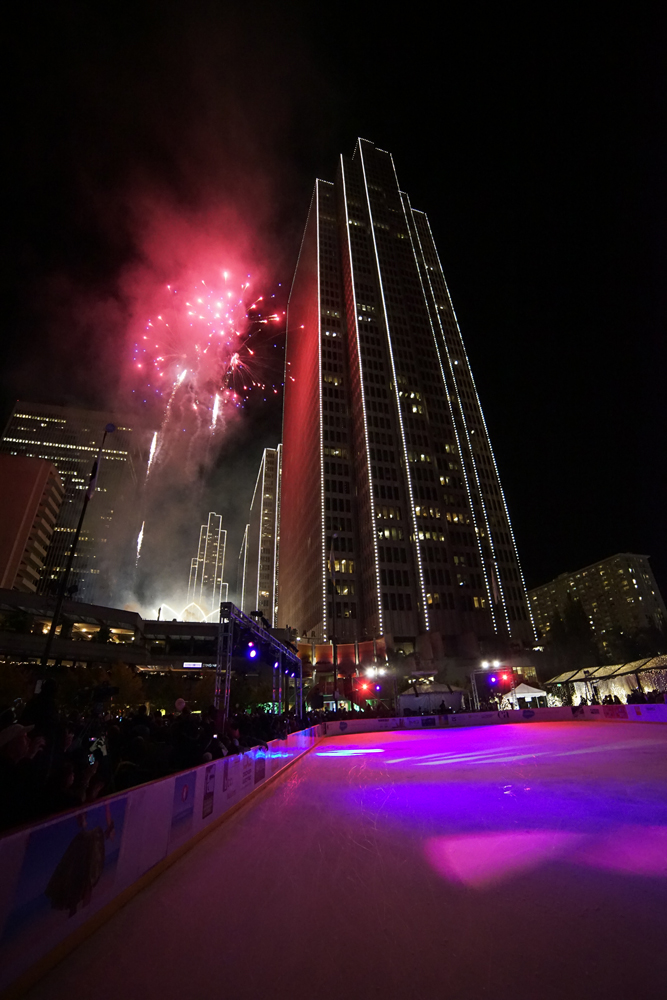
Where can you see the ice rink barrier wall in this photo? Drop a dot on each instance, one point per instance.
(59, 878)
(60, 875)
(584, 713)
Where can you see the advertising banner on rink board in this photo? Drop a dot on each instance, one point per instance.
(183, 808)
(246, 771)
(209, 791)
(260, 766)
(230, 777)
(68, 870)
(583, 713)
(55, 875)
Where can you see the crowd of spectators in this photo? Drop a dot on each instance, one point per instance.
(635, 697)
(52, 760)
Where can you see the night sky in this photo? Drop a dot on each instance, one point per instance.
(533, 138)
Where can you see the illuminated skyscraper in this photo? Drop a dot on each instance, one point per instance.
(207, 568)
(261, 541)
(70, 438)
(387, 463)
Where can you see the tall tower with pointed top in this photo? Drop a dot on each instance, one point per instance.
(393, 518)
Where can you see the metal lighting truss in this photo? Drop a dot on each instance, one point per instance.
(233, 624)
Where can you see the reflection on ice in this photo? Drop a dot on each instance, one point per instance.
(482, 860)
(485, 859)
(637, 850)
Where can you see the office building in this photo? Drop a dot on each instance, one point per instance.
(617, 594)
(393, 518)
(70, 438)
(260, 546)
(32, 493)
(206, 588)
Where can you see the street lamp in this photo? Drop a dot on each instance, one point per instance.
(485, 666)
(373, 673)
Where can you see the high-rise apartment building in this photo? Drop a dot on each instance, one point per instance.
(261, 540)
(617, 593)
(31, 495)
(70, 438)
(393, 519)
(207, 568)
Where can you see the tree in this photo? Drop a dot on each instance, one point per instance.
(571, 644)
(16, 685)
(623, 647)
(131, 691)
(203, 690)
(16, 621)
(76, 685)
(164, 690)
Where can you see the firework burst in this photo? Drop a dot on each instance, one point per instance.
(195, 358)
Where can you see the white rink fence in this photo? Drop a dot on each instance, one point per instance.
(58, 874)
(584, 713)
(63, 876)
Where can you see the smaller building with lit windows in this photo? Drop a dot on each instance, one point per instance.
(206, 588)
(29, 504)
(69, 438)
(618, 593)
(258, 561)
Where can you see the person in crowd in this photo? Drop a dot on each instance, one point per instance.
(22, 781)
(52, 760)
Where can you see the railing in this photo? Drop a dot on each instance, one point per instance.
(589, 713)
(57, 874)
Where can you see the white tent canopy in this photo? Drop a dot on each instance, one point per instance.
(435, 688)
(526, 691)
(431, 696)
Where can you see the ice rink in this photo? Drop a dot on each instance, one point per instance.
(525, 861)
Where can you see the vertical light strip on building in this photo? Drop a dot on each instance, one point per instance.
(371, 498)
(217, 532)
(245, 563)
(261, 526)
(216, 589)
(473, 463)
(444, 381)
(489, 589)
(223, 543)
(488, 441)
(319, 391)
(276, 529)
(192, 582)
(201, 554)
(495, 468)
(413, 513)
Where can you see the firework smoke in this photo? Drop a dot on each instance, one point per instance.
(203, 346)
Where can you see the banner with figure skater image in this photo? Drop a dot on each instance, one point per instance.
(68, 873)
